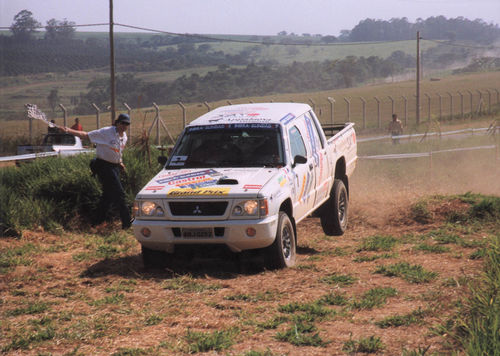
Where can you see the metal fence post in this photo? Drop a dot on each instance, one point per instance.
(471, 108)
(392, 104)
(183, 114)
(489, 101)
(451, 105)
(129, 112)
(348, 109)
(228, 102)
(364, 112)
(440, 107)
(97, 115)
(461, 105)
(208, 106)
(480, 104)
(65, 114)
(406, 109)
(312, 104)
(428, 107)
(158, 118)
(379, 123)
(332, 106)
(498, 95)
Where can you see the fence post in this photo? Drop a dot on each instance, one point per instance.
(489, 101)
(65, 114)
(208, 106)
(129, 112)
(440, 107)
(428, 107)
(405, 100)
(379, 123)
(498, 95)
(364, 111)
(392, 104)
(158, 118)
(461, 104)
(348, 109)
(480, 104)
(183, 114)
(332, 105)
(451, 105)
(228, 102)
(97, 115)
(312, 104)
(471, 108)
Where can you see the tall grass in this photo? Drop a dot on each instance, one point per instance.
(52, 193)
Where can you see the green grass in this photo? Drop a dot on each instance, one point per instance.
(341, 280)
(301, 334)
(373, 298)
(414, 317)
(428, 248)
(205, 341)
(373, 257)
(371, 344)
(31, 308)
(16, 256)
(310, 311)
(410, 273)
(334, 298)
(377, 243)
(187, 284)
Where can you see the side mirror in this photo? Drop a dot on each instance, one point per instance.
(299, 160)
(162, 160)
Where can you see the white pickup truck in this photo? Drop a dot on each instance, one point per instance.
(244, 176)
(61, 143)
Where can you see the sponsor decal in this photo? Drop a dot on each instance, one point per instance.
(239, 117)
(282, 181)
(181, 177)
(287, 118)
(252, 186)
(178, 160)
(155, 187)
(179, 192)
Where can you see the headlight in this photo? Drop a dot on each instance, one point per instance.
(251, 208)
(148, 208)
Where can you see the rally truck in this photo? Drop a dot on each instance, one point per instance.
(244, 176)
(61, 143)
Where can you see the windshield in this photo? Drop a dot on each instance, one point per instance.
(234, 145)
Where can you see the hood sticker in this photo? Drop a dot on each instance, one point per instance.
(177, 192)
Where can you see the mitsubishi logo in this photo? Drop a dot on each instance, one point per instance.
(197, 210)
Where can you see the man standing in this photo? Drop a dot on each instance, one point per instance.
(110, 142)
(395, 128)
(77, 126)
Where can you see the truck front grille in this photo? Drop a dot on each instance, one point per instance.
(212, 208)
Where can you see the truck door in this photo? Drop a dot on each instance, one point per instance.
(320, 159)
(304, 179)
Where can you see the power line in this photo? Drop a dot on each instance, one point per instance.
(461, 45)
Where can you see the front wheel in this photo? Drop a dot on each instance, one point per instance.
(333, 214)
(282, 253)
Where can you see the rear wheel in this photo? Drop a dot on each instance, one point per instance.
(334, 211)
(282, 253)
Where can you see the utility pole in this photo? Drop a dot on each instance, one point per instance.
(112, 62)
(418, 79)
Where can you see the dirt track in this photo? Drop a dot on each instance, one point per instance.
(98, 305)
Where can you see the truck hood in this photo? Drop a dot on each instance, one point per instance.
(208, 182)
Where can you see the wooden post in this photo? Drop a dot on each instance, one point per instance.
(158, 118)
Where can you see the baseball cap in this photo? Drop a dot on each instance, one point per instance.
(123, 118)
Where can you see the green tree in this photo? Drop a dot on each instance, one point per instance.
(53, 98)
(24, 26)
(59, 30)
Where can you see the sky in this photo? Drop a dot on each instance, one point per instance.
(246, 17)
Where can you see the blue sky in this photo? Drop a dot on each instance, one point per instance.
(259, 17)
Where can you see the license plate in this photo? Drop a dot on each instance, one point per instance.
(201, 233)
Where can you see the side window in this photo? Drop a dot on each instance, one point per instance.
(317, 129)
(296, 142)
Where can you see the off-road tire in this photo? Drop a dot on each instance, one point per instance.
(283, 251)
(333, 214)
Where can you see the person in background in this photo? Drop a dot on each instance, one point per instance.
(110, 142)
(52, 129)
(77, 126)
(395, 128)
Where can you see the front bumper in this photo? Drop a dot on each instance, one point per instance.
(165, 234)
